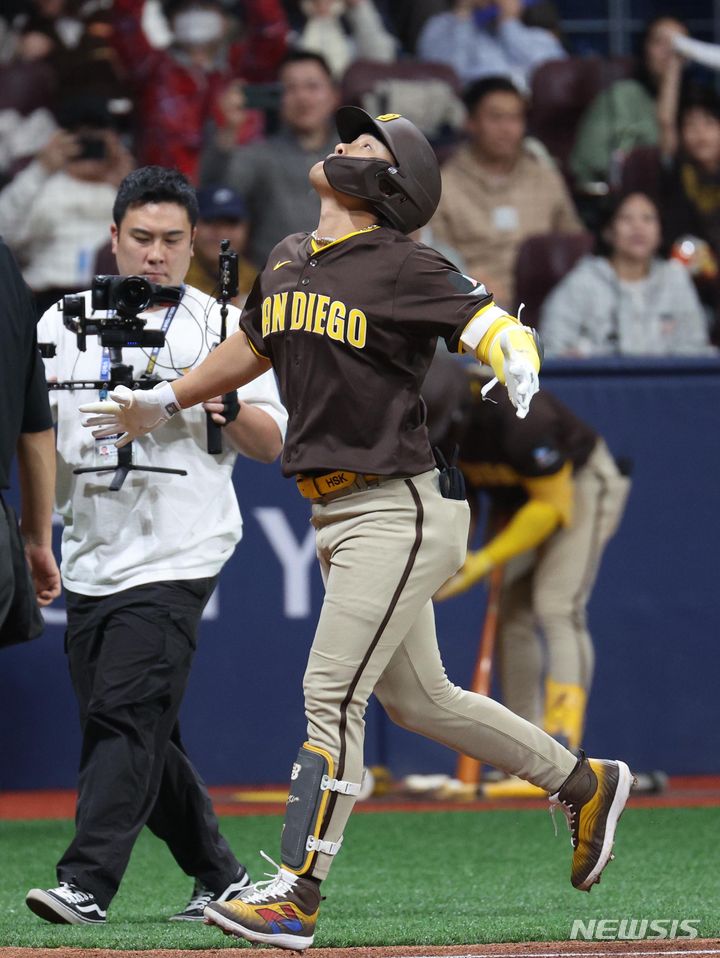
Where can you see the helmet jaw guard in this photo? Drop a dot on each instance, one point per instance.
(407, 193)
(380, 184)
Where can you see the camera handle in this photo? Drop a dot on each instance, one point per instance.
(213, 430)
(120, 374)
(228, 270)
(124, 467)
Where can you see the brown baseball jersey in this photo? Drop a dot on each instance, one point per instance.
(350, 329)
(498, 451)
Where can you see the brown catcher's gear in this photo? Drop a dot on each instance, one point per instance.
(406, 194)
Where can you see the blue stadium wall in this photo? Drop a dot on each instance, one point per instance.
(655, 613)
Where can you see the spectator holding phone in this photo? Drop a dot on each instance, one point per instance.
(54, 213)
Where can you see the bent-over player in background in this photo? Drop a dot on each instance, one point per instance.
(348, 317)
(556, 497)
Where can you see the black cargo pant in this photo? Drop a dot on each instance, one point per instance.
(129, 656)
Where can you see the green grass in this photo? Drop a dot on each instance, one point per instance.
(425, 878)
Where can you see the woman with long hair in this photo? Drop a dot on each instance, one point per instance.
(625, 115)
(628, 300)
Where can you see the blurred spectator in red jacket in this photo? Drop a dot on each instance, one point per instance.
(177, 89)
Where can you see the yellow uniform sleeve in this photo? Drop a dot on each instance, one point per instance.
(557, 490)
(530, 526)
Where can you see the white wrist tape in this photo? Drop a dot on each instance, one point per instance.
(478, 326)
(166, 397)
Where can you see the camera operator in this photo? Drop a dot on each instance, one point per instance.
(139, 564)
(27, 430)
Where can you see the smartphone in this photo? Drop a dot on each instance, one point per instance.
(262, 96)
(91, 148)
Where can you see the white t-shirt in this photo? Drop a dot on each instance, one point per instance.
(157, 527)
(57, 224)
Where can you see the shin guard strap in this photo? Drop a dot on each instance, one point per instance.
(338, 785)
(318, 845)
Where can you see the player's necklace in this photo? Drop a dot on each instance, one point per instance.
(323, 240)
(327, 240)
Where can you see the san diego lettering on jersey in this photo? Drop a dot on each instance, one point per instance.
(314, 313)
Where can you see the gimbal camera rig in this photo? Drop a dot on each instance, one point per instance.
(122, 298)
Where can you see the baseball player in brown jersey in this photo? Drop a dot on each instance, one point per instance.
(348, 316)
(553, 479)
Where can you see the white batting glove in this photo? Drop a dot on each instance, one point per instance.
(132, 412)
(521, 379)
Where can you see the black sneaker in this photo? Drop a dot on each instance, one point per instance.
(65, 905)
(203, 896)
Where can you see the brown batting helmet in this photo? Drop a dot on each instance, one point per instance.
(407, 193)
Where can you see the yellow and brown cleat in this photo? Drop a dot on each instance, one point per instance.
(281, 912)
(592, 799)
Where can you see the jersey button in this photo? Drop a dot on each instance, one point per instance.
(313, 262)
(304, 282)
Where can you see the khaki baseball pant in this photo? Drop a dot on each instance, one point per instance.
(383, 553)
(546, 592)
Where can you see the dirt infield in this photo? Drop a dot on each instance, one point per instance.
(688, 792)
(526, 949)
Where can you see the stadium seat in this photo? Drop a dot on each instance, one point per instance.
(426, 93)
(561, 91)
(541, 263)
(641, 171)
(26, 86)
(615, 68)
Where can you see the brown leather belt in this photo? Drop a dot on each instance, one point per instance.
(313, 487)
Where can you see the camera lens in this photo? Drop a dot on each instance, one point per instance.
(134, 294)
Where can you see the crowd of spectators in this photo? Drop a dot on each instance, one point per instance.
(240, 97)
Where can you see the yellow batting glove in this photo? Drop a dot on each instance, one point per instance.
(476, 567)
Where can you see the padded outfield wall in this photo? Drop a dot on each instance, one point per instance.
(655, 613)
